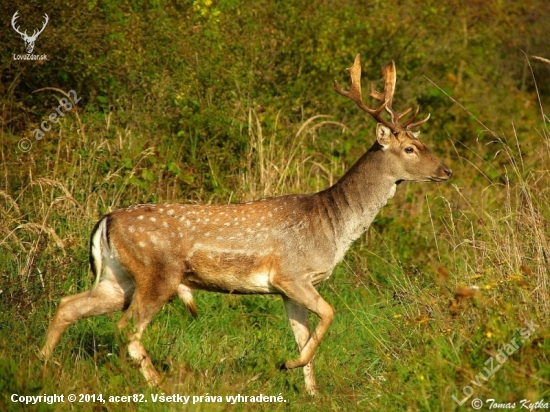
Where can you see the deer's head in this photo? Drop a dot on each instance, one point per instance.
(405, 156)
(29, 40)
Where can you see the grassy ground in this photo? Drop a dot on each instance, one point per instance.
(445, 278)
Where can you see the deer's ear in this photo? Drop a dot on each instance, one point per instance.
(383, 135)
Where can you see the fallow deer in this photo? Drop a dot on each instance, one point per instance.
(144, 254)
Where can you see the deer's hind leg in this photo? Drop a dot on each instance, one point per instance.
(106, 297)
(152, 292)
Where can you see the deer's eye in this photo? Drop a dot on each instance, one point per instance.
(409, 150)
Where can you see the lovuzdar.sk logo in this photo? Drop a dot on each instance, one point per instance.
(29, 40)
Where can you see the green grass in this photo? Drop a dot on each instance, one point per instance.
(445, 277)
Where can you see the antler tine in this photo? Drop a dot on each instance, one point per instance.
(36, 33)
(409, 123)
(412, 118)
(377, 95)
(47, 19)
(13, 19)
(406, 112)
(413, 125)
(355, 94)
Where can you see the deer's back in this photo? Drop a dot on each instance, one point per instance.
(226, 248)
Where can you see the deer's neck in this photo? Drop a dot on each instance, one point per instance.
(354, 201)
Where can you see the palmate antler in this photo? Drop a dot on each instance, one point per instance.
(389, 72)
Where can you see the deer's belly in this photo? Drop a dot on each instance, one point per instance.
(230, 271)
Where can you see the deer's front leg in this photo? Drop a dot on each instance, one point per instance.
(303, 294)
(297, 315)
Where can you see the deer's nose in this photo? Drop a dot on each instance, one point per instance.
(448, 172)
